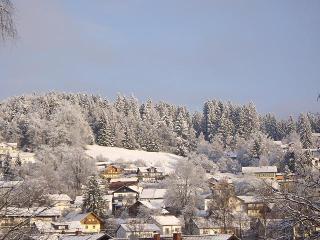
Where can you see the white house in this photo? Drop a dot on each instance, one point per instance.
(60, 201)
(168, 224)
(138, 230)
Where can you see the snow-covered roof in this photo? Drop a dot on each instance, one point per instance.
(7, 144)
(141, 227)
(262, 169)
(249, 199)
(74, 216)
(83, 237)
(28, 212)
(131, 179)
(167, 220)
(208, 237)
(153, 193)
(10, 184)
(59, 197)
(78, 201)
(154, 206)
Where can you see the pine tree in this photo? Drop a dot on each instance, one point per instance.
(18, 160)
(93, 200)
(305, 131)
(291, 126)
(128, 141)
(105, 135)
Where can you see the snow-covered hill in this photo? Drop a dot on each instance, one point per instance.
(114, 155)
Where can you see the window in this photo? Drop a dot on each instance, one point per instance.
(167, 231)
(94, 227)
(86, 226)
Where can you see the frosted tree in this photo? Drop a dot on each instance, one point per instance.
(221, 207)
(93, 200)
(7, 26)
(7, 170)
(105, 136)
(291, 126)
(304, 129)
(128, 141)
(18, 160)
(184, 188)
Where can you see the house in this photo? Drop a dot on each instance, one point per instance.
(124, 197)
(61, 201)
(263, 172)
(12, 216)
(204, 226)
(146, 206)
(137, 230)
(83, 222)
(8, 148)
(149, 174)
(111, 171)
(253, 206)
(168, 224)
(116, 183)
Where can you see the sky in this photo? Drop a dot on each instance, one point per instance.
(180, 51)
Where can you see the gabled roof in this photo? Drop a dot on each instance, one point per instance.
(86, 237)
(153, 193)
(210, 237)
(167, 220)
(135, 189)
(263, 169)
(77, 217)
(29, 212)
(250, 199)
(141, 227)
(59, 197)
(131, 179)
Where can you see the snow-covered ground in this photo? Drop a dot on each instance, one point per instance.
(163, 160)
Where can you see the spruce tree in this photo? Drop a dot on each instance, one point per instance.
(93, 200)
(105, 135)
(18, 161)
(305, 131)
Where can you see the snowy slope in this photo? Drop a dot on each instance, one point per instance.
(114, 154)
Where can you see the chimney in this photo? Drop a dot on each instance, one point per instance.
(177, 236)
(156, 236)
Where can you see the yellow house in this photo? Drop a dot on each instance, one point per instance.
(263, 172)
(8, 148)
(111, 172)
(84, 222)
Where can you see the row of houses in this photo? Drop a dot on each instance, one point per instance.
(145, 174)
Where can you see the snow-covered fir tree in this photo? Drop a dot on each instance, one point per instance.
(305, 131)
(93, 197)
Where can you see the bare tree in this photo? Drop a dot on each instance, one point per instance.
(221, 207)
(7, 26)
(298, 200)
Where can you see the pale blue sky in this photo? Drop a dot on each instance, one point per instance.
(180, 51)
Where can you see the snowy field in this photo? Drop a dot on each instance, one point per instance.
(163, 160)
